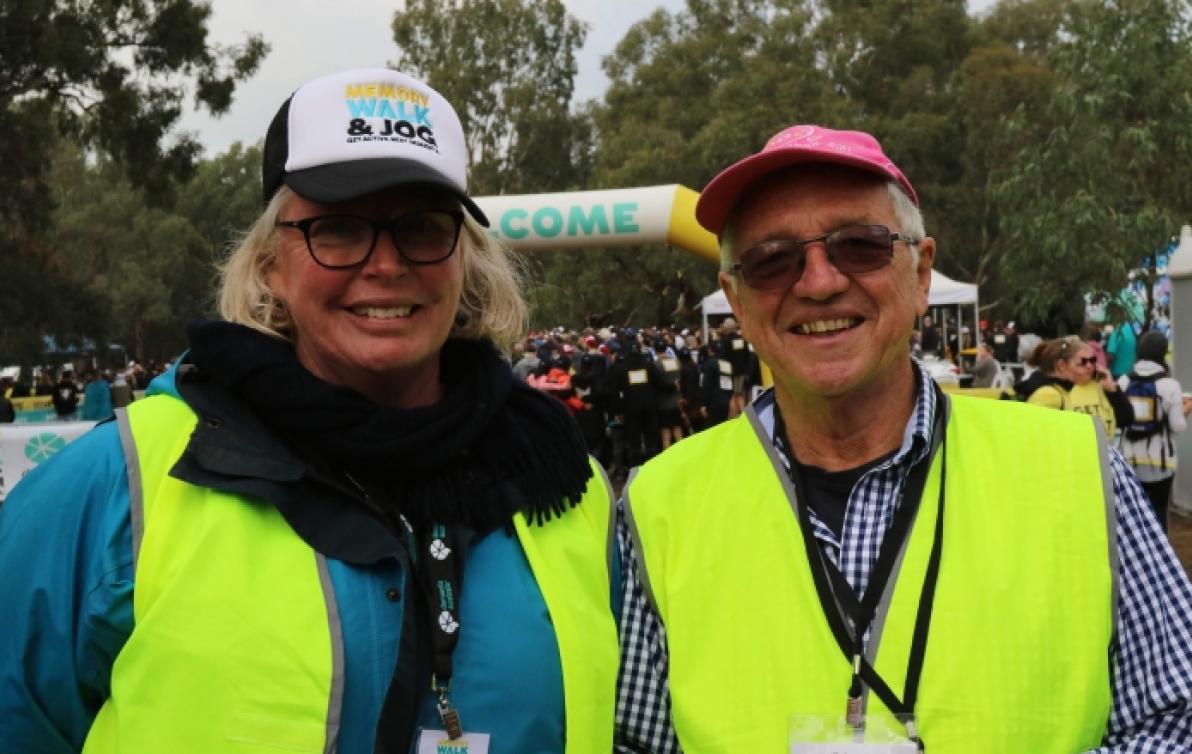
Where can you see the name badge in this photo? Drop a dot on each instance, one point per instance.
(638, 377)
(669, 364)
(437, 742)
(851, 747)
(725, 367)
(738, 344)
(832, 734)
(726, 383)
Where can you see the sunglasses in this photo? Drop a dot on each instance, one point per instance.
(853, 249)
(1087, 361)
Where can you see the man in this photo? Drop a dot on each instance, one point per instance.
(716, 385)
(1006, 344)
(929, 338)
(861, 555)
(636, 381)
(66, 395)
(735, 350)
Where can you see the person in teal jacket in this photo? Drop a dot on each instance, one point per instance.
(97, 397)
(353, 402)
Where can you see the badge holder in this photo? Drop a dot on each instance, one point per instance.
(835, 734)
(452, 739)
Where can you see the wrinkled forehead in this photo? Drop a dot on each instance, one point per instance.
(814, 196)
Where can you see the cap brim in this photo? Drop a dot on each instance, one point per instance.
(343, 181)
(723, 192)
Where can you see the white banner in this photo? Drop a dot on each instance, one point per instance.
(24, 446)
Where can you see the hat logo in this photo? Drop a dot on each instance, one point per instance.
(386, 112)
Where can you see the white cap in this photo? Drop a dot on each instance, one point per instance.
(352, 133)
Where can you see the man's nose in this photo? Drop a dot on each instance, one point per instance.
(820, 279)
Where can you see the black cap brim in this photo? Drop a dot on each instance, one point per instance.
(342, 181)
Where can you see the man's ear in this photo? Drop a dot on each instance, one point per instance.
(728, 284)
(926, 249)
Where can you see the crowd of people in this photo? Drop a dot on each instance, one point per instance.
(92, 395)
(636, 391)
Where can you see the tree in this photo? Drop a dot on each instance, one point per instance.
(508, 67)
(690, 92)
(114, 75)
(139, 262)
(1084, 202)
(220, 202)
(1004, 72)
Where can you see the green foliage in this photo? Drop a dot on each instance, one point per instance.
(131, 257)
(1104, 184)
(508, 67)
(223, 197)
(113, 75)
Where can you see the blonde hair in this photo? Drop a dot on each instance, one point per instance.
(1048, 354)
(490, 307)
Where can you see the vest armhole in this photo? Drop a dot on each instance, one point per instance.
(136, 492)
(635, 541)
(1111, 518)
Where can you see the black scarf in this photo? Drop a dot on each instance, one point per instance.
(491, 447)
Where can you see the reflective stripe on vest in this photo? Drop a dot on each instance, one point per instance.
(237, 646)
(1017, 655)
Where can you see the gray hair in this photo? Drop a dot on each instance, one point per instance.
(491, 305)
(910, 222)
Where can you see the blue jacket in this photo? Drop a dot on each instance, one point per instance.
(97, 400)
(67, 581)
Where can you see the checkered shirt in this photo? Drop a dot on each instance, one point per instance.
(1151, 652)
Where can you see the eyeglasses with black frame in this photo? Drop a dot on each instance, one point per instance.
(340, 242)
(853, 249)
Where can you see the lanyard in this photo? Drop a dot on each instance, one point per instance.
(436, 562)
(439, 572)
(838, 599)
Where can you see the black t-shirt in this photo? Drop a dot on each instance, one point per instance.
(66, 397)
(929, 339)
(827, 492)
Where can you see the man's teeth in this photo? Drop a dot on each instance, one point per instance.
(383, 312)
(825, 325)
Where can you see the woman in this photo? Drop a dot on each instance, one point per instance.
(341, 524)
(1160, 413)
(1076, 385)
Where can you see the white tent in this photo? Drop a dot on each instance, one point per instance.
(944, 292)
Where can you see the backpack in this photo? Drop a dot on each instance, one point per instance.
(1149, 417)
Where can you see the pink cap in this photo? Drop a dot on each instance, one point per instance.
(793, 146)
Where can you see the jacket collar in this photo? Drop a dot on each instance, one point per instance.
(231, 451)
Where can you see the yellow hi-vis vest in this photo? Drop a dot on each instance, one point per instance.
(237, 645)
(1017, 656)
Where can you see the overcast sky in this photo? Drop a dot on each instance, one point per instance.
(313, 37)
